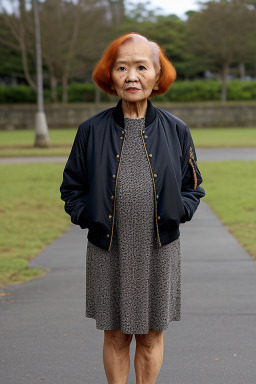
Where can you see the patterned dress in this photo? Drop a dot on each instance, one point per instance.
(136, 286)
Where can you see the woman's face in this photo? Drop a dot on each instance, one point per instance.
(134, 74)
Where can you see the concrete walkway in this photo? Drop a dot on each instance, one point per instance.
(203, 154)
(45, 336)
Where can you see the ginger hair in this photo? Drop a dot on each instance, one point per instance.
(102, 72)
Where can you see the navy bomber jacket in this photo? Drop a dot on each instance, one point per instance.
(90, 175)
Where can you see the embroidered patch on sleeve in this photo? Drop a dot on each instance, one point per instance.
(192, 163)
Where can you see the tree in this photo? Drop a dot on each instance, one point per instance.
(18, 26)
(171, 33)
(219, 33)
(66, 29)
(72, 35)
(11, 66)
(247, 54)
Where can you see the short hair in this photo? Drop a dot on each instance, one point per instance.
(102, 72)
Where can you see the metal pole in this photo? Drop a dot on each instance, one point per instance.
(41, 130)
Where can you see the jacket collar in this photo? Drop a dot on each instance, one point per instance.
(119, 116)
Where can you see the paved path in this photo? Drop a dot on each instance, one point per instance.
(220, 154)
(45, 335)
(203, 154)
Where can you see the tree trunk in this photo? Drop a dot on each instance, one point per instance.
(242, 71)
(97, 95)
(65, 89)
(224, 75)
(23, 45)
(70, 54)
(53, 82)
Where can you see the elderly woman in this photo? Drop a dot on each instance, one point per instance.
(131, 179)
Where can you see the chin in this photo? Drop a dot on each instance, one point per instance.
(133, 98)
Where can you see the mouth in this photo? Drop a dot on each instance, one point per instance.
(132, 89)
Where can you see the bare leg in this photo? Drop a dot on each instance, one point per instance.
(116, 356)
(148, 356)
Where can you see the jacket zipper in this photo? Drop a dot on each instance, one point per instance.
(115, 192)
(158, 237)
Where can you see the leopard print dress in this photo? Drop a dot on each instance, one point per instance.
(136, 286)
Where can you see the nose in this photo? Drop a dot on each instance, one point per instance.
(131, 76)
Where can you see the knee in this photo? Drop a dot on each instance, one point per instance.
(117, 339)
(150, 340)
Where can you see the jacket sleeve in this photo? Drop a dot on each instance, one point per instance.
(75, 188)
(191, 192)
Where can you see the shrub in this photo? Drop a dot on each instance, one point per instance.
(17, 94)
(180, 91)
(81, 92)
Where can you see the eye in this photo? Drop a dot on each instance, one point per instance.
(141, 67)
(121, 69)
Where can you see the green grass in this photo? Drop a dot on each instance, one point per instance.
(231, 193)
(32, 214)
(26, 137)
(27, 152)
(224, 137)
(20, 143)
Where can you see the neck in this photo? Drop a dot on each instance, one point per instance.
(134, 110)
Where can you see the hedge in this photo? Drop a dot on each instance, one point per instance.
(180, 91)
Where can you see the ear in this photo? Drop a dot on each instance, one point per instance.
(157, 82)
(112, 87)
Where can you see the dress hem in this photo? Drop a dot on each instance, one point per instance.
(114, 327)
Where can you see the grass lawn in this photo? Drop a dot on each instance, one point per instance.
(231, 193)
(224, 137)
(20, 143)
(32, 213)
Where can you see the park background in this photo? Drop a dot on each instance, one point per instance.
(213, 51)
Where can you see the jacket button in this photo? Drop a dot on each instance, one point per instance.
(117, 156)
(114, 176)
(150, 155)
(108, 235)
(157, 196)
(112, 197)
(146, 136)
(158, 217)
(155, 175)
(110, 216)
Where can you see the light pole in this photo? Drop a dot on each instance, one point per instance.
(41, 130)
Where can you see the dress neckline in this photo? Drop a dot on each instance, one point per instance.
(134, 118)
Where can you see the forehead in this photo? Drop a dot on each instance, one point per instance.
(132, 49)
